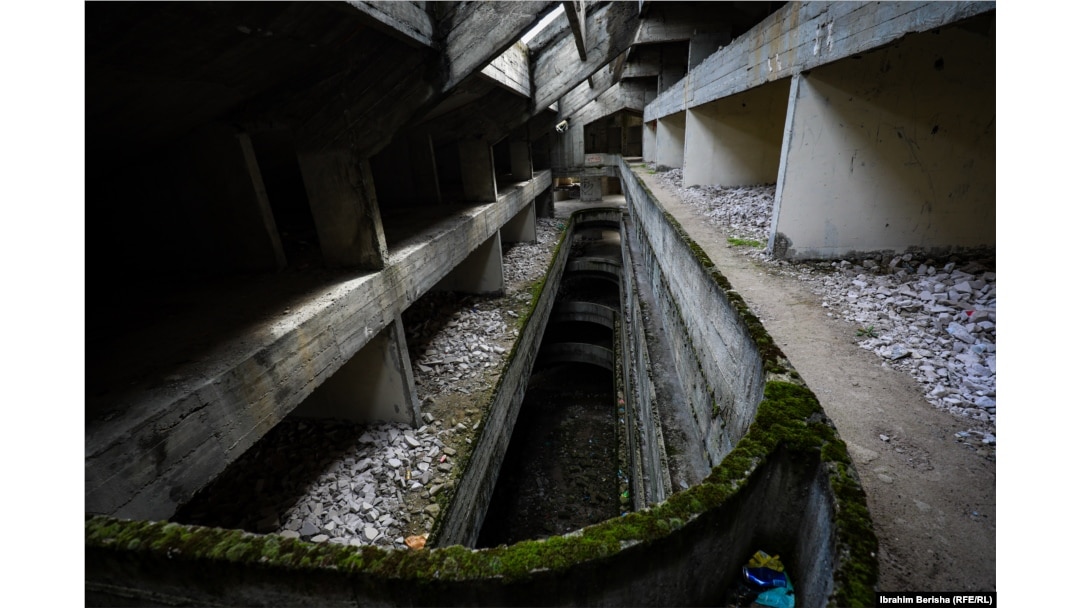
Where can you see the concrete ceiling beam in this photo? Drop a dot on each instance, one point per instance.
(404, 20)
(575, 14)
(471, 34)
(557, 69)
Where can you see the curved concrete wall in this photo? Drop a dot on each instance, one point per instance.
(787, 485)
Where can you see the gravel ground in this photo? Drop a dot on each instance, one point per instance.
(932, 317)
(381, 483)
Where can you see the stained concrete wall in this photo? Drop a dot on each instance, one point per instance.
(199, 426)
(716, 357)
(892, 150)
(648, 142)
(670, 141)
(376, 384)
(736, 141)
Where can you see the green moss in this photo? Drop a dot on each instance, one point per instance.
(737, 242)
(788, 416)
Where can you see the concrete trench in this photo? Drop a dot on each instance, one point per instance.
(686, 390)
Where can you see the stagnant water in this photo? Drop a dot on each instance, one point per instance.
(560, 472)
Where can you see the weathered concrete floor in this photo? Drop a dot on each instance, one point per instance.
(932, 499)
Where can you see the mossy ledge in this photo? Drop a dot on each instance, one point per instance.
(789, 417)
(653, 544)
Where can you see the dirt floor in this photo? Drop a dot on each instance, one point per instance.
(932, 497)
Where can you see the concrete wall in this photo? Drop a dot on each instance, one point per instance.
(892, 150)
(648, 142)
(232, 398)
(736, 141)
(716, 357)
(670, 141)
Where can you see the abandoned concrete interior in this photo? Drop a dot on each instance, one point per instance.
(271, 186)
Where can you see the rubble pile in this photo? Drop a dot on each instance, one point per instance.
(931, 316)
(744, 212)
(381, 483)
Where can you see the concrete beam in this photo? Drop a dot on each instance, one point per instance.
(511, 70)
(801, 36)
(480, 273)
(407, 21)
(477, 170)
(575, 14)
(679, 21)
(153, 446)
(557, 69)
(376, 384)
(472, 33)
(341, 192)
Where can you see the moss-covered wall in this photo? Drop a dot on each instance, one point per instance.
(787, 485)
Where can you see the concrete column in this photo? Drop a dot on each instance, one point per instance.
(591, 189)
(670, 140)
(522, 227)
(213, 215)
(891, 151)
(481, 272)
(736, 141)
(648, 142)
(424, 174)
(341, 193)
(545, 204)
(376, 384)
(477, 171)
(520, 160)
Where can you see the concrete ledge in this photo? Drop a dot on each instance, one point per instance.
(801, 36)
(788, 484)
(153, 447)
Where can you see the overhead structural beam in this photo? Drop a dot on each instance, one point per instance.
(678, 21)
(403, 20)
(473, 33)
(585, 92)
(614, 26)
(575, 13)
(623, 96)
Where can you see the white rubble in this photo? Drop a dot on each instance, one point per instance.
(934, 318)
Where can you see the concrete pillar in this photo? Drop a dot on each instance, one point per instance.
(520, 160)
(341, 193)
(522, 227)
(210, 210)
(477, 171)
(425, 175)
(591, 189)
(545, 204)
(891, 151)
(376, 384)
(736, 141)
(648, 142)
(670, 140)
(481, 272)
